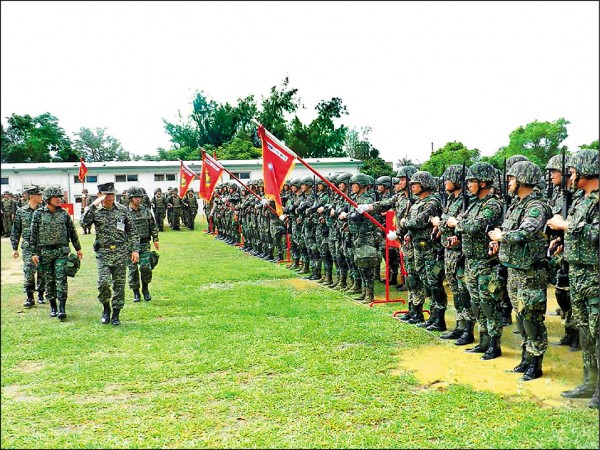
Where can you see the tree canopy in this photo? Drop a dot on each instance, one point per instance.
(96, 146)
(451, 153)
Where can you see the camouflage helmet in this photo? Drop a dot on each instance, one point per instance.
(260, 182)
(425, 179)
(481, 171)
(344, 178)
(321, 181)
(556, 163)
(515, 159)
(395, 180)
(52, 191)
(361, 179)
(384, 181)
(526, 172)
(454, 173)
(333, 178)
(585, 162)
(295, 182)
(135, 191)
(307, 180)
(371, 180)
(406, 171)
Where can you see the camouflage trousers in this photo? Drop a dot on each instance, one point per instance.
(53, 263)
(485, 305)
(427, 270)
(175, 218)
(159, 215)
(321, 236)
(454, 267)
(584, 301)
(527, 292)
(7, 223)
(112, 266)
(416, 288)
(30, 273)
(140, 270)
(310, 242)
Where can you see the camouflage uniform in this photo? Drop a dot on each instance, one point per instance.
(159, 205)
(190, 209)
(148, 231)
(523, 251)
(322, 233)
(174, 204)
(9, 209)
(49, 238)
(116, 239)
(21, 229)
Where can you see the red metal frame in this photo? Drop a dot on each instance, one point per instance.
(288, 244)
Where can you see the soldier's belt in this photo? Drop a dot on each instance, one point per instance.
(109, 246)
(144, 240)
(51, 247)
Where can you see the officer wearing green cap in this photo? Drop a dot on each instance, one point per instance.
(148, 231)
(21, 229)
(117, 242)
(52, 230)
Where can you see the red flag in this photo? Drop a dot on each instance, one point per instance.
(390, 225)
(82, 170)
(186, 176)
(278, 163)
(211, 171)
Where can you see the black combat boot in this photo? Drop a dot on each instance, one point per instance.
(484, 343)
(417, 316)
(105, 314)
(589, 386)
(575, 346)
(409, 314)
(431, 320)
(335, 281)
(525, 361)
(360, 296)
(467, 337)
(29, 302)
(53, 309)
(305, 268)
(357, 287)
(115, 317)
(328, 278)
(40, 299)
(62, 315)
(342, 284)
(146, 292)
(440, 321)
(136, 295)
(506, 316)
(456, 333)
(534, 370)
(369, 295)
(494, 350)
(393, 278)
(595, 401)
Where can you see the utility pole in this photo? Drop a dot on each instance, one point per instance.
(432, 148)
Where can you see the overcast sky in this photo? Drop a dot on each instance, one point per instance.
(415, 72)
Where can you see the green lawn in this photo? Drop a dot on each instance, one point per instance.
(233, 351)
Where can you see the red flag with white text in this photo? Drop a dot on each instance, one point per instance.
(278, 163)
(186, 176)
(82, 170)
(211, 171)
(390, 225)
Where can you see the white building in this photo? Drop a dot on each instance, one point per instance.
(147, 174)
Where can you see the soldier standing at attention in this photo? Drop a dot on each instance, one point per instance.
(21, 228)
(84, 204)
(174, 205)
(581, 252)
(51, 231)
(117, 242)
(148, 230)
(159, 205)
(9, 209)
(522, 248)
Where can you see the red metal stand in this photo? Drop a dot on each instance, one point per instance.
(387, 278)
(288, 244)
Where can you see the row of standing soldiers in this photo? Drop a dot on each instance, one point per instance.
(8, 208)
(496, 241)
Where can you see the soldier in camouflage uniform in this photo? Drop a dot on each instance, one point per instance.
(9, 209)
(341, 234)
(327, 221)
(364, 236)
(309, 243)
(483, 214)
(289, 219)
(124, 200)
(581, 252)
(322, 234)
(51, 231)
(21, 229)
(159, 205)
(454, 260)
(174, 204)
(559, 268)
(191, 204)
(522, 248)
(148, 231)
(384, 187)
(117, 242)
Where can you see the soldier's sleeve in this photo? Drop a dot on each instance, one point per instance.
(34, 230)
(153, 226)
(87, 218)
(431, 209)
(385, 204)
(73, 236)
(489, 216)
(133, 237)
(534, 220)
(17, 230)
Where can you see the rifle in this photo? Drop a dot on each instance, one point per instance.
(504, 191)
(564, 210)
(463, 183)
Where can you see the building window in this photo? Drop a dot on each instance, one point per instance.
(88, 179)
(170, 177)
(159, 177)
(241, 175)
(4, 180)
(132, 177)
(123, 178)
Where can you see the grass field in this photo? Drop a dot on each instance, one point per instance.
(236, 352)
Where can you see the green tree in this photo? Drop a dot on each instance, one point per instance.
(377, 167)
(35, 139)
(239, 149)
(591, 146)
(451, 153)
(357, 145)
(97, 146)
(274, 108)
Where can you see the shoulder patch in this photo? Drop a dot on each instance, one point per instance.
(534, 212)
